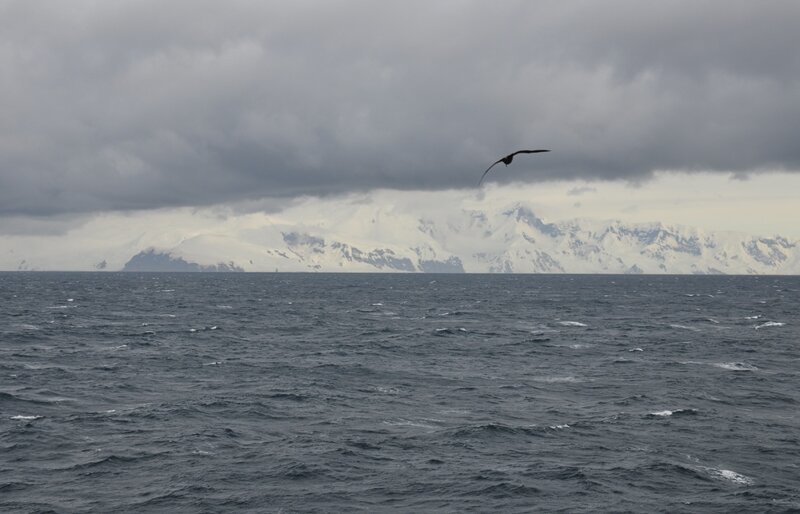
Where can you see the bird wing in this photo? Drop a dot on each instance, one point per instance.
(487, 170)
(529, 151)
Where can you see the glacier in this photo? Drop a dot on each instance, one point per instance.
(385, 237)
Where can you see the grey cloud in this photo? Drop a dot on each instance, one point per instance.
(41, 225)
(577, 191)
(143, 104)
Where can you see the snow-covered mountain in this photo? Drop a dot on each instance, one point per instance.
(375, 236)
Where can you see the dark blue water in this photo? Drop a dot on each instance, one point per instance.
(410, 393)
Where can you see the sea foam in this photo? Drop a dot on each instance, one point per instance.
(735, 366)
(572, 324)
(676, 412)
(769, 324)
(736, 478)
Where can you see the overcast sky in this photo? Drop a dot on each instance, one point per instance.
(145, 104)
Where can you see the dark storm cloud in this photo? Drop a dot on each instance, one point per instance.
(140, 104)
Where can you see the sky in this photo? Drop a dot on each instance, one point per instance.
(682, 111)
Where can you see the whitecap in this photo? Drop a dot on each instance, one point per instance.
(225, 307)
(377, 304)
(70, 299)
(753, 317)
(559, 427)
(449, 330)
(769, 324)
(24, 418)
(635, 350)
(662, 413)
(666, 413)
(204, 328)
(736, 478)
(215, 363)
(572, 324)
(735, 366)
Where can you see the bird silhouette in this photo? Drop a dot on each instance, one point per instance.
(507, 160)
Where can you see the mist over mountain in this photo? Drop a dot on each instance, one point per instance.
(372, 237)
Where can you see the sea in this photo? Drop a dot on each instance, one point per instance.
(240, 392)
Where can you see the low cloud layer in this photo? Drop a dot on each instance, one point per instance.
(143, 104)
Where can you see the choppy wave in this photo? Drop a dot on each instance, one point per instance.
(26, 326)
(346, 393)
(676, 412)
(410, 423)
(557, 379)
(735, 366)
(572, 324)
(684, 327)
(769, 324)
(731, 476)
(449, 331)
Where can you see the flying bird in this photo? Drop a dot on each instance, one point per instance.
(507, 160)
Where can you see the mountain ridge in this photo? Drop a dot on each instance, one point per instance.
(510, 240)
(381, 237)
